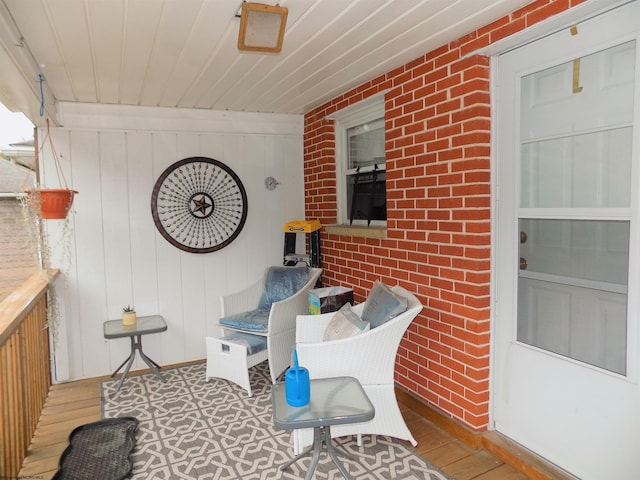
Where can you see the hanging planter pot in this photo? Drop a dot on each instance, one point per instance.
(51, 203)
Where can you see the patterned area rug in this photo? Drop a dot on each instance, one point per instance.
(192, 429)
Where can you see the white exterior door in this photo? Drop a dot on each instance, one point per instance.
(567, 260)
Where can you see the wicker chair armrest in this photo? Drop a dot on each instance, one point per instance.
(283, 313)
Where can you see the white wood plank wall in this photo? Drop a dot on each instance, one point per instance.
(113, 157)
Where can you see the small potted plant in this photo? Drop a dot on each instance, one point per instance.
(128, 315)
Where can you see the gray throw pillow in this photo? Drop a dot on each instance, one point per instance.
(382, 305)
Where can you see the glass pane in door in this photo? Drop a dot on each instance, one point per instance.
(572, 289)
(576, 141)
(590, 170)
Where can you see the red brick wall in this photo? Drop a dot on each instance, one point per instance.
(438, 118)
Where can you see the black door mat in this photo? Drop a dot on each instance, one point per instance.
(99, 450)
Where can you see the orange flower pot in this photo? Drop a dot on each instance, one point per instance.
(54, 203)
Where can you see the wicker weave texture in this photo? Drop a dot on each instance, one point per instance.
(370, 357)
(281, 331)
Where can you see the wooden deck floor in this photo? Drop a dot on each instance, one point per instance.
(76, 403)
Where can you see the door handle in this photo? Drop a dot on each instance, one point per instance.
(523, 263)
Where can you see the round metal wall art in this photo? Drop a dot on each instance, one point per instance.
(199, 205)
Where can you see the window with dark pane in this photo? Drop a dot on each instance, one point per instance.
(366, 176)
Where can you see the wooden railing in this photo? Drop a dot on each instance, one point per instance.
(25, 369)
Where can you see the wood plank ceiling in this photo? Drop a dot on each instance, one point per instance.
(183, 53)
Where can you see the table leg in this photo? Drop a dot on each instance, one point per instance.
(332, 453)
(152, 365)
(121, 365)
(149, 359)
(136, 344)
(129, 361)
(320, 435)
(304, 453)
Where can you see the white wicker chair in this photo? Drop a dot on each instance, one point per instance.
(230, 361)
(369, 357)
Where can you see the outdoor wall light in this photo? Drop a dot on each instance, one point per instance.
(262, 27)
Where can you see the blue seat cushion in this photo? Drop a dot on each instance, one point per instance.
(253, 321)
(254, 343)
(281, 283)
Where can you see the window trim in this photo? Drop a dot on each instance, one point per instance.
(369, 109)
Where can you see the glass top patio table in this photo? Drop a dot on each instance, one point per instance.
(143, 326)
(334, 401)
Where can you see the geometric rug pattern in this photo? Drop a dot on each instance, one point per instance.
(191, 429)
